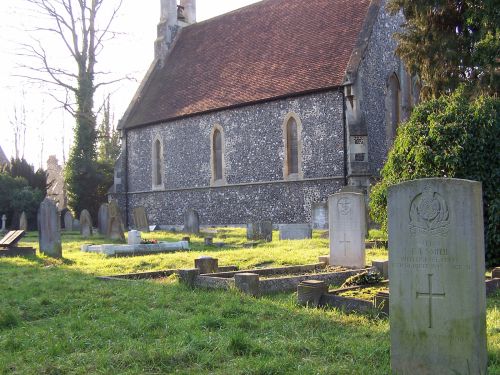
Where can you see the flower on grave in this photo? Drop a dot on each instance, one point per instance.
(149, 242)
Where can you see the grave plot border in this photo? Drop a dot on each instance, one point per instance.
(153, 274)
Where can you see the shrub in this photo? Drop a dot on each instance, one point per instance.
(453, 136)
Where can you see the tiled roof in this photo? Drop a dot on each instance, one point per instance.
(271, 49)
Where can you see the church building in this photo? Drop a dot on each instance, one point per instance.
(259, 113)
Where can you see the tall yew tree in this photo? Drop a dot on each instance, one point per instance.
(82, 31)
(449, 42)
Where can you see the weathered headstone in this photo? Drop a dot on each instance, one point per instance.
(102, 219)
(23, 222)
(85, 224)
(436, 269)
(76, 224)
(68, 221)
(140, 219)
(260, 231)
(4, 223)
(191, 222)
(115, 224)
(295, 231)
(50, 232)
(134, 237)
(319, 215)
(347, 229)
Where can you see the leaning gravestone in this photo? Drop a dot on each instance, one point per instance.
(140, 219)
(102, 219)
(85, 224)
(68, 221)
(260, 231)
(115, 224)
(191, 222)
(23, 222)
(319, 215)
(347, 224)
(49, 226)
(436, 268)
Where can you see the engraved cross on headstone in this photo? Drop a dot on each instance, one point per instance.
(346, 244)
(429, 295)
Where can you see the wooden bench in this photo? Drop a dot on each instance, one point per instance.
(9, 248)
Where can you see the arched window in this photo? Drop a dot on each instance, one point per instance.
(393, 107)
(292, 128)
(217, 157)
(157, 169)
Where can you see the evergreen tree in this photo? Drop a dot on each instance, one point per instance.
(448, 42)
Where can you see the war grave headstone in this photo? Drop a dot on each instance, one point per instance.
(102, 219)
(115, 224)
(140, 219)
(50, 231)
(295, 231)
(437, 272)
(260, 231)
(347, 224)
(23, 222)
(68, 221)
(85, 224)
(191, 222)
(319, 215)
(355, 189)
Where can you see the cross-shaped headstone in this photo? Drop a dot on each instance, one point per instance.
(346, 244)
(429, 295)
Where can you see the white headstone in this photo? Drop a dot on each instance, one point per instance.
(347, 223)
(437, 275)
(319, 215)
(134, 237)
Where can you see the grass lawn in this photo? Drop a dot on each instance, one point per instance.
(57, 318)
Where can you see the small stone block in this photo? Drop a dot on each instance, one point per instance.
(381, 302)
(207, 265)
(382, 267)
(209, 241)
(309, 292)
(219, 244)
(324, 259)
(189, 276)
(248, 283)
(495, 274)
(186, 238)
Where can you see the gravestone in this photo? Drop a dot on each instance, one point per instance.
(115, 224)
(76, 224)
(23, 222)
(134, 237)
(50, 231)
(436, 269)
(260, 231)
(4, 222)
(85, 224)
(319, 215)
(191, 222)
(347, 224)
(295, 231)
(355, 189)
(140, 219)
(102, 219)
(68, 221)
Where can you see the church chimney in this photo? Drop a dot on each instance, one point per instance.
(172, 18)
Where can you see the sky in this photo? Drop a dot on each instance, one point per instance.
(50, 128)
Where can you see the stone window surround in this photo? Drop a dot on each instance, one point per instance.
(391, 131)
(213, 181)
(155, 162)
(293, 176)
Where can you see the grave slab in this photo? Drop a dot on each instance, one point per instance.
(347, 229)
(295, 231)
(142, 249)
(436, 269)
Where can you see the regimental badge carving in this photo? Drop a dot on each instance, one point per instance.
(344, 206)
(429, 213)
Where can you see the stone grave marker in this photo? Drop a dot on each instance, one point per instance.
(295, 231)
(260, 231)
(85, 224)
(102, 219)
(4, 222)
(115, 224)
(23, 222)
(319, 215)
(76, 224)
(191, 222)
(355, 189)
(140, 219)
(347, 224)
(68, 221)
(437, 277)
(50, 232)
